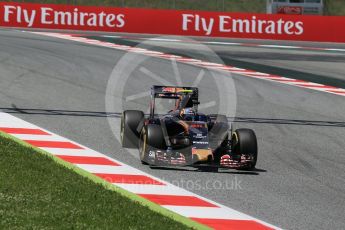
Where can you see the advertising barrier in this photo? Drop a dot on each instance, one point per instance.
(173, 22)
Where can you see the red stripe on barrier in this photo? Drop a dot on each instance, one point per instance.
(23, 131)
(221, 224)
(53, 144)
(128, 179)
(177, 200)
(88, 160)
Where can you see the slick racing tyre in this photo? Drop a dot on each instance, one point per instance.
(244, 142)
(131, 122)
(151, 139)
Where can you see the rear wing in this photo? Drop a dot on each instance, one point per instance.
(172, 92)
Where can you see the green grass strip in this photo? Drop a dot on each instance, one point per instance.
(41, 191)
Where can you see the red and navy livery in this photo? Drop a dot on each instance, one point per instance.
(185, 137)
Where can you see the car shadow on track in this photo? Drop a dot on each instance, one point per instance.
(255, 171)
(256, 120)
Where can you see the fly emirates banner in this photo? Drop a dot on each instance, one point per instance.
(173, 22)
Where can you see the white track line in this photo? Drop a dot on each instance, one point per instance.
(279, 46)
(72, 152)
(109, 169)
(204, 212)
(165, 40)
(154, 189)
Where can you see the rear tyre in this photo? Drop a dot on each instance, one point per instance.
(244, 141)
(131, 120)
(151, 139)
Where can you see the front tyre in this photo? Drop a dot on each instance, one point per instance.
(244, 142)
(131, 122)
(151, 140)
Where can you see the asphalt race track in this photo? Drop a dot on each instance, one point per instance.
(299, 183)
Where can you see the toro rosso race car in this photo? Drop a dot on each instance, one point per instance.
(185, 137)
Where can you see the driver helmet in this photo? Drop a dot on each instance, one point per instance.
(189, 111)
(188, 114)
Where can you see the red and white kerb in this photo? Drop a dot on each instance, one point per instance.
(131, 179)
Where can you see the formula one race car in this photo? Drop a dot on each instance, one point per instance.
(185, 137)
